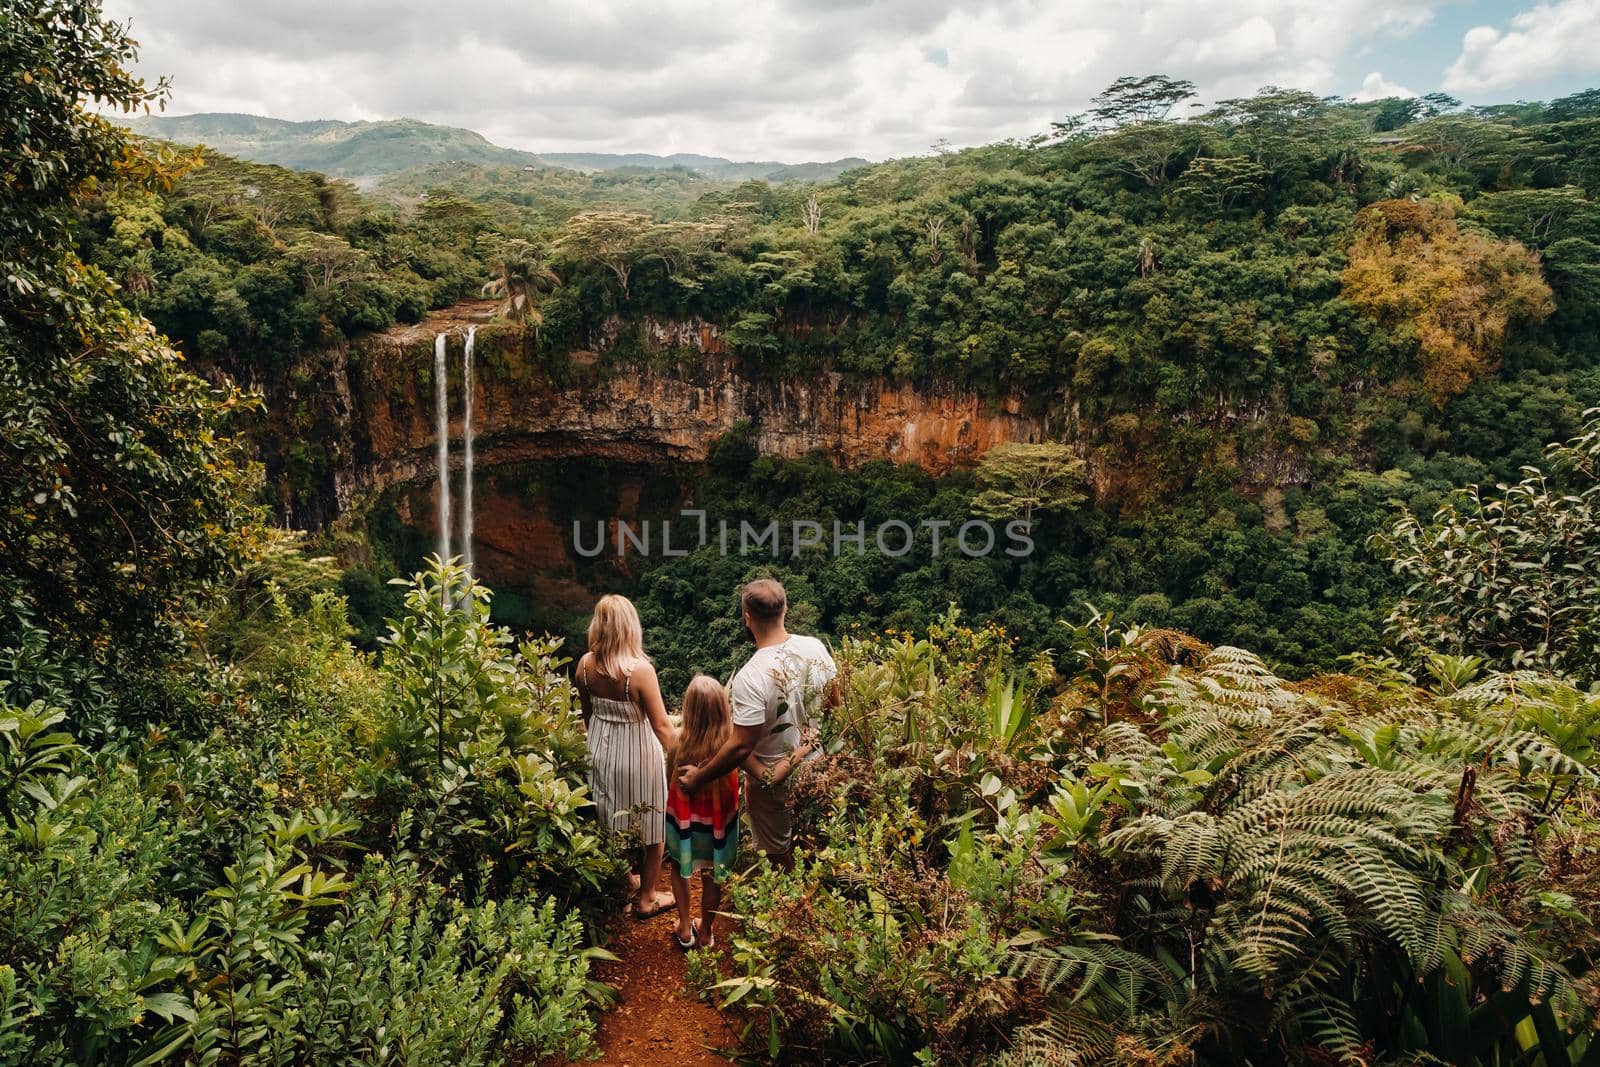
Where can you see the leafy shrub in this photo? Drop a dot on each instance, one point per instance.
(1214, 865)
(306, 878)
(478, 752)
(1514, 576)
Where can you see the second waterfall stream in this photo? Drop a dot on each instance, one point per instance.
(466, 451)
(441, 419)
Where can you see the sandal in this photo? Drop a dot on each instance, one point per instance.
(660, 908)
(684, 945)
(694, 927)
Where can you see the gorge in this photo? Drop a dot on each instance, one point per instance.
(499, 418)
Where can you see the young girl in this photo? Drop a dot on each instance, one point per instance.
(703, 828)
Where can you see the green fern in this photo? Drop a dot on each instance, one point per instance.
(1284, 841)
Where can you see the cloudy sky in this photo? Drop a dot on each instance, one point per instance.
(818, 79)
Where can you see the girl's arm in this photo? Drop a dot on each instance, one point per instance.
(648, 689)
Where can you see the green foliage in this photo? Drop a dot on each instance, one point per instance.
(254, 267)
(1015, 480)
(1513, 576)
(123, 497)
(841, 959)
(519, 276)
(1231, 869)
(1290, 574)
(304, 877)
(544, 197)
(479, 742)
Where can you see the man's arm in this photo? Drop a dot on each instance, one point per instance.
(832, 694)
(739, 744)
(775, 774)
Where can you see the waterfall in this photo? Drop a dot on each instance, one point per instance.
(466, 456)
(441, 432)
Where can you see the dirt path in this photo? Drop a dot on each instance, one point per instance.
(657, 1021)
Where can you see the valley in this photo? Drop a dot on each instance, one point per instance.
(1257, 722)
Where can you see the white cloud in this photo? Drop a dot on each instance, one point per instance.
(1376, 87)
(1242, 45)
(1548, 40)
(778, 79)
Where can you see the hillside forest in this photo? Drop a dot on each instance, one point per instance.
(1280, 747)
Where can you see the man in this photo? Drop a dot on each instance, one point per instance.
(775, 696)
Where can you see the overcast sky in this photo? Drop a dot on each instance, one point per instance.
(817, 79)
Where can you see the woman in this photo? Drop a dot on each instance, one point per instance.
(628, 735)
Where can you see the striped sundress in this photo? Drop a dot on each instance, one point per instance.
(627, 769)
(703, 828)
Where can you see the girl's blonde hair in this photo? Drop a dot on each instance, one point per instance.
(616, 640)
(707, 722)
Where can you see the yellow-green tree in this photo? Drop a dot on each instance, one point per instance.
(616, 240)
(1453, 292)
(1016, 480)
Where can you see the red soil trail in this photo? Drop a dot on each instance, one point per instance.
(658, 1023)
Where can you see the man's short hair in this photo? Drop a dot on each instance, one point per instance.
(764, 599)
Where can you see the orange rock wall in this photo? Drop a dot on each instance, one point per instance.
(669, 411)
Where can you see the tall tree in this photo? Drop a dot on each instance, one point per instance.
(1016, 480)
(1277, 126)
(1452, 293)
(1130, 101)
(121, 492)
(615, 240)
(520, 275)
(1467, 141)
(1131, 129)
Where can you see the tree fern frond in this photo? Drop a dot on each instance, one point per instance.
(1098, 967)
(1332, 1021)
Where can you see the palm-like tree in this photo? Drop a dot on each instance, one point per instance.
(521, 275)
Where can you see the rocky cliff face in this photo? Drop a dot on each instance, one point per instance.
(622, 424)
(689, 393)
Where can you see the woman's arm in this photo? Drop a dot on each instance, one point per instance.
(579, 682)
(647, 687)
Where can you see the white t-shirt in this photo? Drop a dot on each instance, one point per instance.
(786, 679)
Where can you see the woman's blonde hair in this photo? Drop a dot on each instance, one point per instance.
(616, 640)
(707, 722)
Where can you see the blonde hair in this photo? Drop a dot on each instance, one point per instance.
(616, 640)
(707, 722)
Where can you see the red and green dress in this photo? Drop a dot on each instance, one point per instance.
(703, 829)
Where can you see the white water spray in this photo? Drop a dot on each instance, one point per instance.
(466, 456)
(441, 431)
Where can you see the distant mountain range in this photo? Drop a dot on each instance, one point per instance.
(366, 151)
